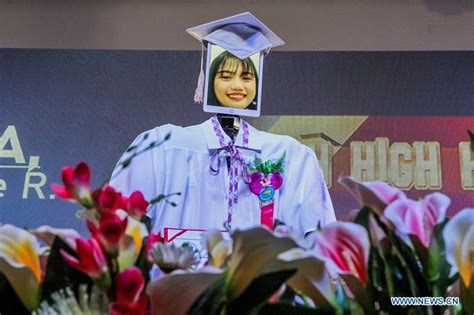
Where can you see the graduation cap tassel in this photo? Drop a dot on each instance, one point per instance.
(199, 93)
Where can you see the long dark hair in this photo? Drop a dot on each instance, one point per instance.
(223, 59)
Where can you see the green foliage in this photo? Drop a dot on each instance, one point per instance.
(280, 164)
(142, 262)
(268, 166)
(259, 291)
(438, 269)
(471, 137)
(59, 274)
(396, 269)
(147, 221)
(467, 300)
(211, 301)
(10, 304)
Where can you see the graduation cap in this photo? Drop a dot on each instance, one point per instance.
(243, 35)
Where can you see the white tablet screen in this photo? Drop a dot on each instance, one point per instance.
(233, 86)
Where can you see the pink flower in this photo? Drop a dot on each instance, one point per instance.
(258, 181)
(110, 230)
(76, 183)
(91, 258)
(129, 286)
(345, 246)
(376, 195)
(418, 217)
(137, 205)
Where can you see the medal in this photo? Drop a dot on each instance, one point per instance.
(266, 178)
(267, 194)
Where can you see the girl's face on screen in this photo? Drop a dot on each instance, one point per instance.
(235, 86)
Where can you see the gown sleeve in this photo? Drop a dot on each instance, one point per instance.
(146, 171)
(306, 199)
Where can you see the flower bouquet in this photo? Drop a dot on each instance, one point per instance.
(395, 255)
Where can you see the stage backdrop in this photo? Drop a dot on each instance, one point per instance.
(400, 117)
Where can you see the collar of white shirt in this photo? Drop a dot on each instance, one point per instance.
(255, 136)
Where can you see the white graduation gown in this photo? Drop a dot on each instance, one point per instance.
(182, 164)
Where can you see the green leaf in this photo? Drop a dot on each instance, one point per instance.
(357, 289)
(177, 293)
(438, 268)
(252, 249)
(377, 286)
(142, 261)
(471, 136)
(157, 199)
(211, 301)
(311, 280)
(147, 221)
(342, 298)
(259, 290)
(257, 161)
(466, 297)
(59, 274)
(362, 218)
(10, 303)
(420, 250)
(394, 269)
(280, 164)
(405, 265)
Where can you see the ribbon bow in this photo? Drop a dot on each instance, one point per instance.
(236, 163)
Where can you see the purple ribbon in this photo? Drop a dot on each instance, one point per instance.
(236, 162)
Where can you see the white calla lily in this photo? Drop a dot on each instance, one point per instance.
(131, 243)
(218, 248)
(458, 237)
(48, 234)
(19, 262)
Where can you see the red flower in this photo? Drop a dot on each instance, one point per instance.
(107, 199)
(76, 183)
(111, 228)
(129, 285)
(137, 205)
(91, 258)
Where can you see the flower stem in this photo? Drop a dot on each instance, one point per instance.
(388, 278)
(113, 270)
